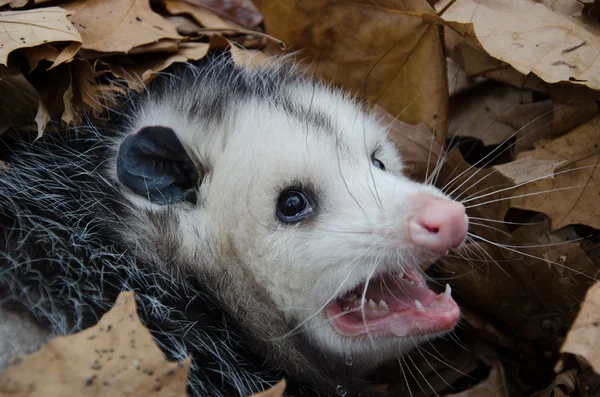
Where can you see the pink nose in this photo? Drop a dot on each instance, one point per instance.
(439, 225)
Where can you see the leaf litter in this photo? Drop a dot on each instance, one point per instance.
(495, 101)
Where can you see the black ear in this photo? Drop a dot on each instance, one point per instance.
(153, 164)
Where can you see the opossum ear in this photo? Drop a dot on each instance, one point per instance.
(153, 164)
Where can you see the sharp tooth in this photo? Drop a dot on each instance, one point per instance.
(372, 304)
(352, 297)
(345, 308)
(411, 282)
(419, 306)
(447, 252)
(447, 293)
(383, 305)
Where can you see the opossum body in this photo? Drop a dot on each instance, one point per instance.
(262, 219)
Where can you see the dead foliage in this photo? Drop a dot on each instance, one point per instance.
(495, 101)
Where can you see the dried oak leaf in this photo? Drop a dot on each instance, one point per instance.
(18, 101)
(531, 38)
(569, 195)
(30, 28)
(207, 19)
(116, 357)
(119, 25)
(242, 12)
(138, 75)
(583, 338)
(384, 52)
(479, 111)
(493, 386)
(419, 149)
(275, 391)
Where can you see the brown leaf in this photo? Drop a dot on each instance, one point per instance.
(205, 18)
(493, 386)
(531, 122)
(416, 143)
(116, 357)
(88, 91)
(242, 12)
(23, 29)
(275, 391)
(566, 380)
(531, 38)
(138, 76)
(119, 25)
(18, 101)
(479, 113)
(583, 338)
(527, 168)
(396, 60)
(570, 195)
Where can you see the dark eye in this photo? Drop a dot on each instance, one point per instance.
(378, 164)
(293, 205)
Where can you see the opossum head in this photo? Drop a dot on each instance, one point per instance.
(297, 185)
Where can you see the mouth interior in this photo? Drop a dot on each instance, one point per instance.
(399, 305)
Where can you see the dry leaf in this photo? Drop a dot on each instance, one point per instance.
(493, 386)
(242, 12)
(116, 357)
(566, 380)
(205, 18)
(23, 29)
(139, 75)
(479, 113)
(527, 168)
(570, 195)
(396, 60)
(275, 391)
(583, 338)
(119, 25)
(531, 38)
(416, 143)
(18, 101)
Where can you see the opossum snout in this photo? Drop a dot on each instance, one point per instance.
(439, 224)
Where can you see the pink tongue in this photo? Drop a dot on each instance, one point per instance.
(391, 307)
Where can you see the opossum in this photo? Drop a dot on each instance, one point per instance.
(262, 218)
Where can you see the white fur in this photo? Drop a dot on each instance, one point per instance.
(360, 227)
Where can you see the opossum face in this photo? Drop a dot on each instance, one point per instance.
(310, 197)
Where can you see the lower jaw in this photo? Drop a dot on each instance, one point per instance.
(394, 325)
(407, 316)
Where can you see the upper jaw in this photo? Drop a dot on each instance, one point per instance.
(393, 305)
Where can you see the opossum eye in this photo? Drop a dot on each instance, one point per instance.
(378, 164)
(153, 164)
(293, 205)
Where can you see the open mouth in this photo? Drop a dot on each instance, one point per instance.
(399, 305)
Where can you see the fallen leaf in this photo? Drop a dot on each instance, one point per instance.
(88, 91)
(416, 143)
(531, 122)
(570, 194)
(275, 391)
(479, 113)
(117, 357)
(493, 386)
(139, 75)
(205, 18)
(531, 38)
(30, 28)
(583, 338)
(119, 25)
(18, 101)
(396, 61)
(528, 168)
(42, 118)
(242, 12)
